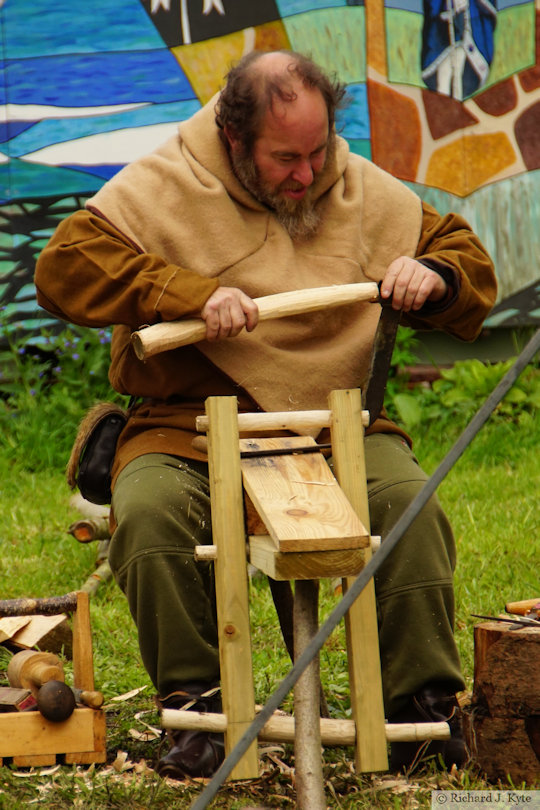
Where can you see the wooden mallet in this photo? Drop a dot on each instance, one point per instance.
(29, 669)
(43, 674)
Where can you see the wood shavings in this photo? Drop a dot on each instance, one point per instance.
(151, 733)
(128, 695)
(122, 763)
(41, 772)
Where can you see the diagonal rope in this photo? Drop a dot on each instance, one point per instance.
(395, 534)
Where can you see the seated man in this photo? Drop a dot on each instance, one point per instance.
(257, 194)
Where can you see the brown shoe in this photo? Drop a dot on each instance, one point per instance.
(193, 753)
(432, 704)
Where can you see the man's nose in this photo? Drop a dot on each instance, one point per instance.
(303, 173)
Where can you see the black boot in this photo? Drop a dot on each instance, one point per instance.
(432, 704)
(193, 753)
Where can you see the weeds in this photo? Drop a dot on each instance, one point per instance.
(45, 388)
(452, 400)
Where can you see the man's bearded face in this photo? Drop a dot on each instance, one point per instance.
(298, 216)
(291, 149)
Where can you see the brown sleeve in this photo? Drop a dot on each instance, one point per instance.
(92, 275)
(447, 242)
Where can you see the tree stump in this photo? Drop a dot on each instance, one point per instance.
(502, 724)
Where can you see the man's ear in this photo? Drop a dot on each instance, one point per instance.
(232, 140)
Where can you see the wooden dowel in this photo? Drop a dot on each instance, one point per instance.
(162, 337)
(205, 552)
(297, 421)
(210, 552)
(280, 728)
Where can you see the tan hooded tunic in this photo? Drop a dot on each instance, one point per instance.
(159, 237)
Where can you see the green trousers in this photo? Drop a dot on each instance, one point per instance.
(162, 510)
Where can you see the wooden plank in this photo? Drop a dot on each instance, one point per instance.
(231, 579)
(85, 758)
(299, 499)
(34, 761)
(99, 749)
(264, 555)
(83, 659)
(29, 733)
(361, 620)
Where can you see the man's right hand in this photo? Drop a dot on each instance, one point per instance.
(227, 312)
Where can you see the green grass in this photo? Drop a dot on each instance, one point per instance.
(491, 497)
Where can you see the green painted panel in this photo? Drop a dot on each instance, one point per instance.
(404, 46)
(505, 216)
(333, 37)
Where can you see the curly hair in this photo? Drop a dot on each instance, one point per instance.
(250, 92)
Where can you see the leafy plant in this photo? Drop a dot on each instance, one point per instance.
(403, 356)
(452, 400)
(46, 387)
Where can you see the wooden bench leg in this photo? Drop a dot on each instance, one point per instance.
(307, 736)
(228, 531)
(361, 621)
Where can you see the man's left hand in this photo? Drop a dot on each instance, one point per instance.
(410, 284)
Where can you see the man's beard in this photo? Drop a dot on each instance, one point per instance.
(298, 217)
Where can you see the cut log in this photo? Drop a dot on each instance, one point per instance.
(90, 529)
(502, 724)
(10, 625)
(507, 668)
(49, 633)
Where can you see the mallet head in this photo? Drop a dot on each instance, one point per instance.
(56, 701)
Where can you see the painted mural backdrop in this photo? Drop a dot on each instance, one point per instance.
(445, 94)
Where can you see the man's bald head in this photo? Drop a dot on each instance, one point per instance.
(260, 80)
